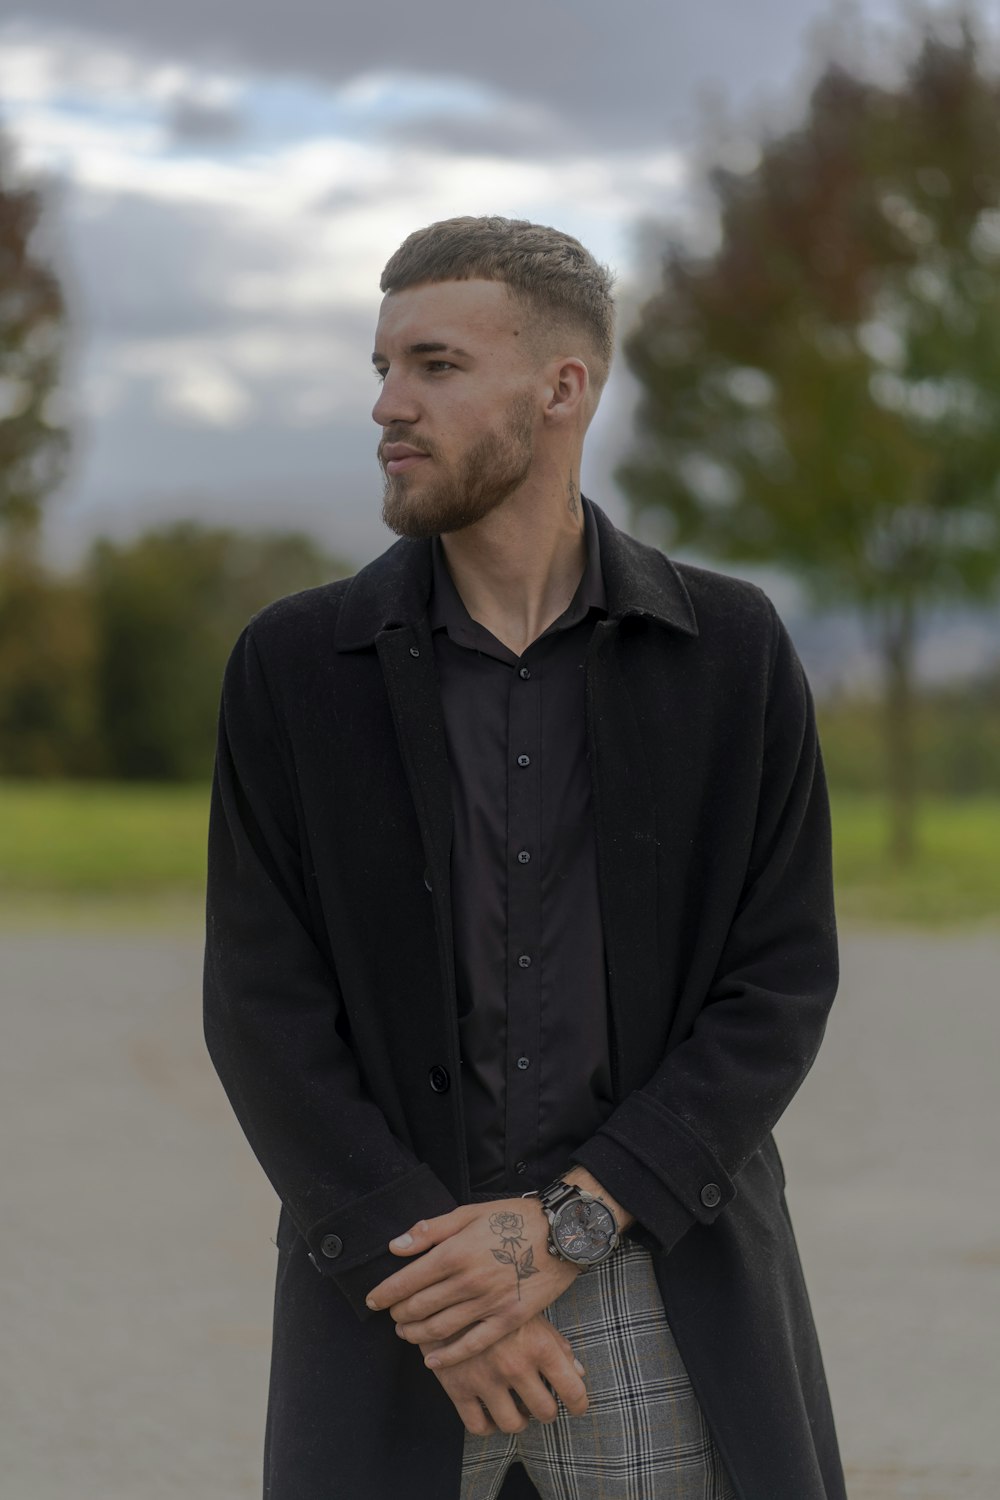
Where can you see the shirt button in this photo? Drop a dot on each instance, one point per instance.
(524, 960)
(524, 673)
(711, 1195)
(520, 1167)
(523, 856)
(524, 760)
(523, 1063)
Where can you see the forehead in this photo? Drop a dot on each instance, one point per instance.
(454, 312)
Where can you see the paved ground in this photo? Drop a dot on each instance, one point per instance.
(136, 1263)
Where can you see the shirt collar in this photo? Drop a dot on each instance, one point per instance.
(446, 609)
(393, 589)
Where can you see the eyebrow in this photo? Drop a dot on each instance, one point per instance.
(424, 348)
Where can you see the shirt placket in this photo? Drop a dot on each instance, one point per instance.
(524, 913)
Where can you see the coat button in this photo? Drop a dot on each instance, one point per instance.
(439, 1080)
(414, 650)
(331, 1245)
(524, 673)
(710, 1195)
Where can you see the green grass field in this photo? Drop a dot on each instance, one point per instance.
(101, 851)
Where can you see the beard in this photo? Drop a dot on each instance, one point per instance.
(487, 473)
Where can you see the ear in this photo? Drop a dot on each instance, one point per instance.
(567, 390)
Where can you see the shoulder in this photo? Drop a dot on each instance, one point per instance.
(733, 606)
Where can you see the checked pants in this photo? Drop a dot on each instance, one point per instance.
(643, 1436)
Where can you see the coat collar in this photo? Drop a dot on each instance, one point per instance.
(394, 588)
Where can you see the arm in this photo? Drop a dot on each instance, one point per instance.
(673, 1149)
(669, 1154)
(273, 1010)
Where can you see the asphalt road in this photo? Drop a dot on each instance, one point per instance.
(135, 1239)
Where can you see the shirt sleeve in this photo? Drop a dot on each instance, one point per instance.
(274, 1015)
(672, 1151)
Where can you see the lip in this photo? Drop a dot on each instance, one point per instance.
(397, 457)
(407, 461)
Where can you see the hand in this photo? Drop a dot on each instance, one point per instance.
(484, 1268)
(515, 1367)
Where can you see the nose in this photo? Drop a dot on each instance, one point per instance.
(394, 403)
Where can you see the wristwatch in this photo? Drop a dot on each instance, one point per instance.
(582, 1228)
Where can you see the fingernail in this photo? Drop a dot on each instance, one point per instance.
(371, 1303)
(402, 1240)
(578, 1367)
(431, 1362)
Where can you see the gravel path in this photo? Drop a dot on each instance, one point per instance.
(136, 1263)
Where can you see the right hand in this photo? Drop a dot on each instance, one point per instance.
(518, 1364)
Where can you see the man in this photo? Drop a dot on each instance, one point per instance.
(520, 939)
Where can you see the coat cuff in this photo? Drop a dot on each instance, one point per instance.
(657, 1168)
(350, 1245)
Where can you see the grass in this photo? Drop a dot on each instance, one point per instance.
(955, 877)
(103, 853)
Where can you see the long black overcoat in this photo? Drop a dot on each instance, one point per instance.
(330, 1007)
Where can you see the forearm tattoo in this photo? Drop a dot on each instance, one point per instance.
(510, 1228)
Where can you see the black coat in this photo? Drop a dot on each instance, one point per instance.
(330, 1007)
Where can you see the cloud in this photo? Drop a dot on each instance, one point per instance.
(198, 122)
(623, 74)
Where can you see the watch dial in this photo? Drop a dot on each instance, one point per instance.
(583, 1230)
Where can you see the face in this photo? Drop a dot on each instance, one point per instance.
(459, 404)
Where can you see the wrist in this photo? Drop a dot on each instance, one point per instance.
(581, 1178)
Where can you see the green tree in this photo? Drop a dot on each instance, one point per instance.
(48, 711)
(33, 444)
(822, 390)
(167, 609)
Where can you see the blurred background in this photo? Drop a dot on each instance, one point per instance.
(801, 202)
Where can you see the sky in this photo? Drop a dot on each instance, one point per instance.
(224, 180)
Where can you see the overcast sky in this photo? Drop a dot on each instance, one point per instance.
(227, 178)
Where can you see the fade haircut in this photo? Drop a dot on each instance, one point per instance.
(549, 272)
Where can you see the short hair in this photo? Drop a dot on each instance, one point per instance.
(551, 272)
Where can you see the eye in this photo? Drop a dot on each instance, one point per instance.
(380, 373)
(438, 364)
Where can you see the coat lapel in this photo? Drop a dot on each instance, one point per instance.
(406, 656)
(625, 827)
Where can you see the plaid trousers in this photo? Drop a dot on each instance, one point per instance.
(643, 1436)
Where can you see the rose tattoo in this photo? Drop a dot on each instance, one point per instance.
(509, 1226)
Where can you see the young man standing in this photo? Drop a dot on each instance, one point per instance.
(520, 939)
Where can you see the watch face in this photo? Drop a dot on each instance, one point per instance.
(583, 1231)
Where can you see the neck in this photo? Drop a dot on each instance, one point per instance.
(518, 569)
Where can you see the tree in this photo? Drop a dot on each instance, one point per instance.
(822, 390)
(167, 609)
(33, 445)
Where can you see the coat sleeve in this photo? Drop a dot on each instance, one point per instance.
(672, 1151)
(274, 1017)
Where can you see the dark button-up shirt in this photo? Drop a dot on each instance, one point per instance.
(529, 948)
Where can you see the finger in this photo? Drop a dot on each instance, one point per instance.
(435, 1299)
(475, 1418)
(537, 1398)
(427, 1232)
(454, 1319)
(565, 1379)
(479, 1337)
(424, 1273)
(500, 1404)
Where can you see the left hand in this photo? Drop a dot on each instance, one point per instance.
(484, 1268)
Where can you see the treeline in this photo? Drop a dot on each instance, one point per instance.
(115, 671)
(956, 741)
